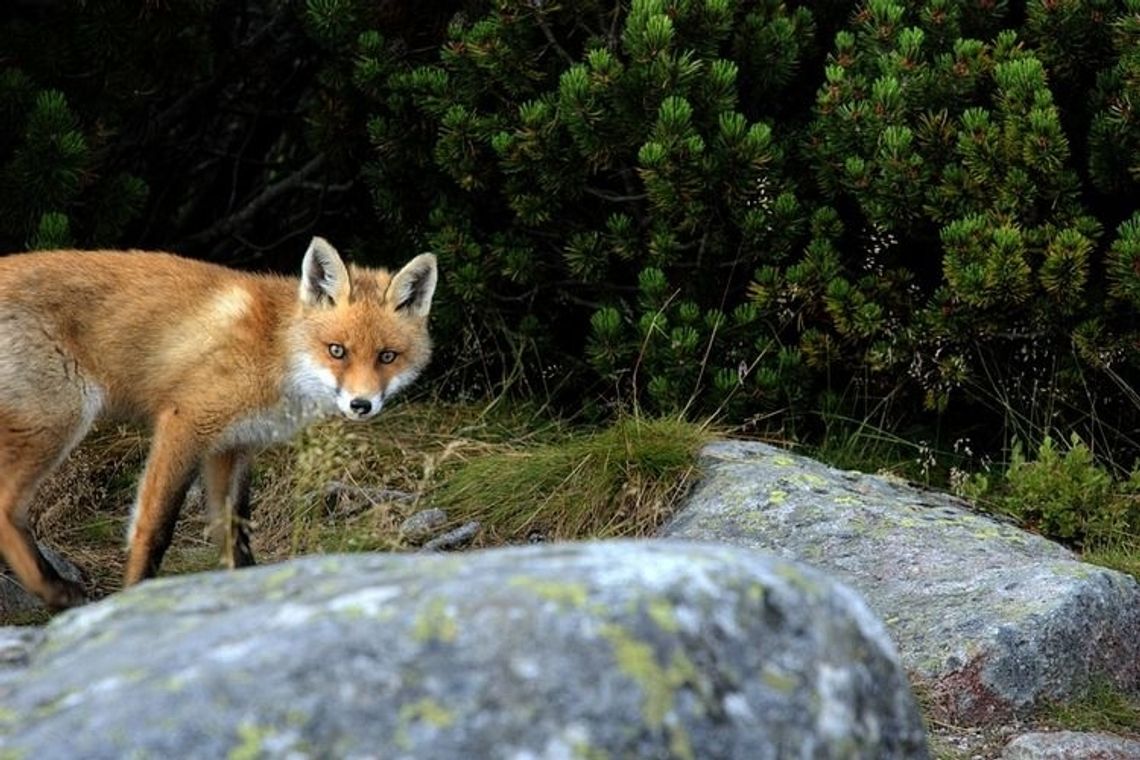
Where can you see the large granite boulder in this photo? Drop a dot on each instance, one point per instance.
(623, 649)
(994, 620)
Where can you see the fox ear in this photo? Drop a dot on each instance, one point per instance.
(324, 277)
(414, 285)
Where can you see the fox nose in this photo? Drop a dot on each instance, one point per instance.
(360, 405)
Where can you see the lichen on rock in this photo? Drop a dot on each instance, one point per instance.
(994, 620)
(619, 649)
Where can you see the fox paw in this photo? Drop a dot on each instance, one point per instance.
(63, 594)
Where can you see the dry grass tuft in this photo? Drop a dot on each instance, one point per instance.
(84, 508)
(394, 463)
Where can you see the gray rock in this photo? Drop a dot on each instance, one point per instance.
(992, 619)
(16, 600)
(454, 539)
(1069, 745)
(622, 649)
(423, 525)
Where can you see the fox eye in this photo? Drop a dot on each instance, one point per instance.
(336, 350)
(387, 357)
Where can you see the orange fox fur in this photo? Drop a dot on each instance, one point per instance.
(219, 362)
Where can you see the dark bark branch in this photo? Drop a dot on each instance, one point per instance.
(608, 196)
(549, 34)
(271, 193)
(614, 42)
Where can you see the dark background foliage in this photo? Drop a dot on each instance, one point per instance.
(212, 128)
(921, 215)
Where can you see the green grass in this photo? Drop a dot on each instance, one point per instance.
(851, 444)
(510, 467)
(619, 481)
(1122, 557)
(1103, 707)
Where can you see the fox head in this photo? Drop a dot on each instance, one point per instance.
(361, 334)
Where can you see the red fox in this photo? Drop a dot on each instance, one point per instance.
(220, 363)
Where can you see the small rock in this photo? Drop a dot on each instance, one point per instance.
(17, 644)
(15, 599)
(346, 499)
(195, 499)
(1071, 745)
(453, 539)
(423, 525)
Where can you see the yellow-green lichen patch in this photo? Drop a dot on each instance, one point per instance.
(810, 479)
(986, 532)
(662, 613)
(435, 623)
(777, 497)
(427, 711)
(175, 683)
(275, 580)
(781, 460)
(369, 602)
(583, 751)
(155, 598)
(1076, 570)
(753, 519)
(778, 680)
(563, 593)
(133, 675)
(331, 565)
(845, 500)
(876, 527)
(250, 744)
(659, 684)
(798, 580)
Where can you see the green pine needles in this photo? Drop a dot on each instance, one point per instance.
(48, 179)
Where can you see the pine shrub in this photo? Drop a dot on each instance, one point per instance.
(776, 212)
(642, 197)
